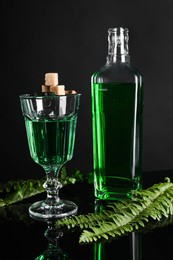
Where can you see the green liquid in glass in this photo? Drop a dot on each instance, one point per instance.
(117, 123)
(51, 142)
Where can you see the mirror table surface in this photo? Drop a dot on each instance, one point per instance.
(22, 237)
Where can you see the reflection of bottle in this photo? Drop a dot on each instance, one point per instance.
(131, 243)
(99, 248)
(117, 102)
(136, 246)
(53, 251)
(113, 250)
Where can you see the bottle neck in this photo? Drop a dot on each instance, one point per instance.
(118, 45)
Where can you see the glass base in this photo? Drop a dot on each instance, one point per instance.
(42, 211)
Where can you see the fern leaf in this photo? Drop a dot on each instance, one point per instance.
(18, 190)
(127, 215)
(15, 191)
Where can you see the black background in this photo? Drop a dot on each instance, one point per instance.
(70, 37)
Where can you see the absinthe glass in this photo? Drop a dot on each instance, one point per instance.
(50, 122)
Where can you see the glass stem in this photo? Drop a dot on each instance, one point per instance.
(52, 186)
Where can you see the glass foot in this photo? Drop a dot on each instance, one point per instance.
(42, 211)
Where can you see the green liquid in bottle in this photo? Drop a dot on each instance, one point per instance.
(117, 121)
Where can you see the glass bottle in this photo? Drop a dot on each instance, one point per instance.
(117, 108)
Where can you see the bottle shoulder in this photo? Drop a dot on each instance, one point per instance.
(117, 72)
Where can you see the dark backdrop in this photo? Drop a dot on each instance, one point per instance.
(70, 37)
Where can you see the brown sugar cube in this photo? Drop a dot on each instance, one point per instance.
(45, 88)
(70, 92)
(51, 79)
(58, 90)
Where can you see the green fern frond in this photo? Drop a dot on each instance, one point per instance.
(17, 190)
(127, 215)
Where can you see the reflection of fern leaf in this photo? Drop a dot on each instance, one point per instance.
(18, 212)
(153, 224)
(126, 215)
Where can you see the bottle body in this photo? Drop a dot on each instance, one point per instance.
(117, 104)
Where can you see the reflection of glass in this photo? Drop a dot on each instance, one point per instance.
(131, 244)
(53, 251)
(50, 122)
